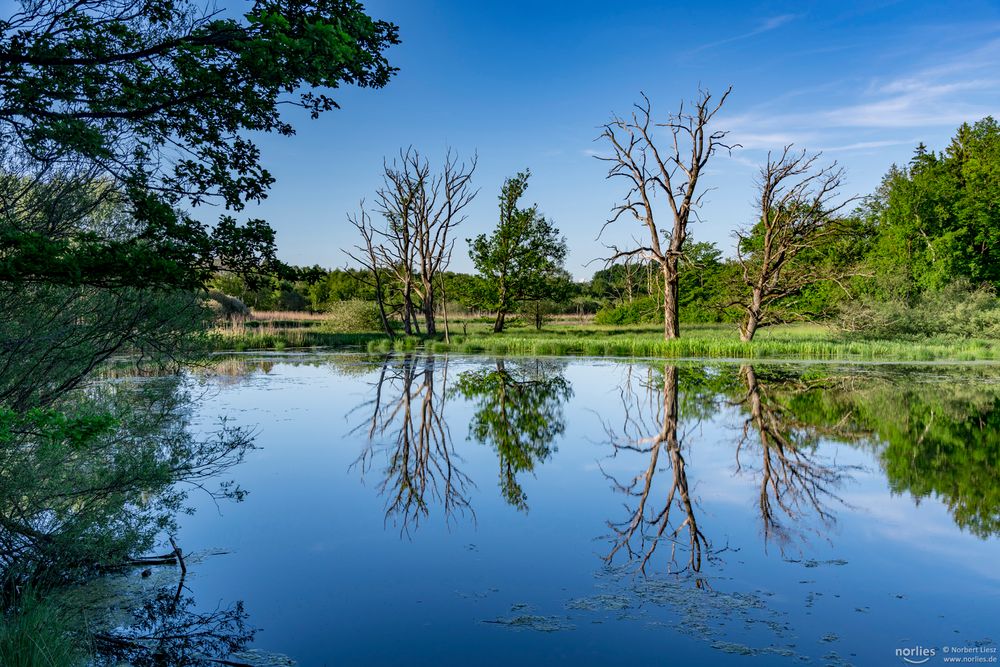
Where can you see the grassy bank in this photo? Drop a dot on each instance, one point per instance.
(786, 342)
(721, 341)
(37, 634)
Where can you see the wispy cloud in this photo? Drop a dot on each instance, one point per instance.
(851, 114)
(870, 145)
(767, 25)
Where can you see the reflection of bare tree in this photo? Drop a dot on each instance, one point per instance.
(676, 521)
(794, 483)
(407, 424)
(166, 630)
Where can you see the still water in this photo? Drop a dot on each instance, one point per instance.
(434, 510)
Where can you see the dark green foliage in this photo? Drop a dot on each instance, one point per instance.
(633, 292)
(638, 311)
(159, 99)
(302, 288)
(938, 219)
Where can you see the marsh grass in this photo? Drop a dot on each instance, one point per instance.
(800, 341)
(37, 635)
(794, 342)
(240, 337)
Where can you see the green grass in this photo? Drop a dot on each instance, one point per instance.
(806, 341)
(791, 342)
(280, 339)
(36, 635)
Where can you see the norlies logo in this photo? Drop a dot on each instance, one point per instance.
(917, 655)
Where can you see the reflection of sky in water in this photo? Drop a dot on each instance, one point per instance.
(331, 581)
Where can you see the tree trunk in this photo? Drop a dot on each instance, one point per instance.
(407, 310)
(671, 324)
(380, 300)
(428, 307)
(498, 323)
(444, 311)
(752, 322)
(538, 316)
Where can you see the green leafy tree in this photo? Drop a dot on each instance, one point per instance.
(159, 99)
(520, 258)
(937, 219)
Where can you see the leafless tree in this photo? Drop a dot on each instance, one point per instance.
(421, 209)
(672, 172)
(367, 255)
(396, 249)
(641, 533)
(798, 205)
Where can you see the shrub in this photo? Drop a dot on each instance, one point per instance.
(353, 316)
(959, 310)
(227, 306)
(637, 311)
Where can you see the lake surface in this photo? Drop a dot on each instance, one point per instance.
(430, 510)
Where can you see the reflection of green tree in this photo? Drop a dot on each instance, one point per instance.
(940, 440)
(934, 436)
(519, 414)
(94, 482)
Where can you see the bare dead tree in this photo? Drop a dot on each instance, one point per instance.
(673, 173)
(646, 527)
(368, 256)
(439, 210)
(396, 201)
(798, 205)
(421, 209)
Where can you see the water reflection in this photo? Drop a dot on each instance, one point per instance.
(930, 441)
(650, 425)
(519, 413)
(707, 472)
(404, 423)
(168, 630)
(794, 481)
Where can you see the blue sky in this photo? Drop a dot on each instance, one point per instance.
(526, 84)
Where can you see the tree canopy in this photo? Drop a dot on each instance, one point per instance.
(159, 98)
(518, 261)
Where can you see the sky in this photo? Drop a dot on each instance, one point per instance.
(528, 84)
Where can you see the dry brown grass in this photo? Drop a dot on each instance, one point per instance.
(288, 315)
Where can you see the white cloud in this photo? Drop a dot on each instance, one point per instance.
(958, 89)
(772, 23)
